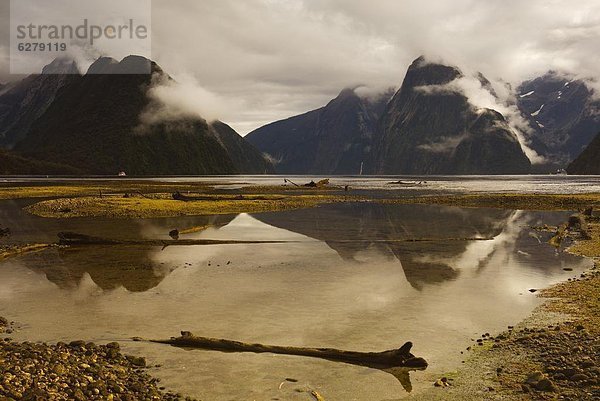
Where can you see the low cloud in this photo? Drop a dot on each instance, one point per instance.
(181, 99)
(503, 101)
(444, 89)
(374, 93)
(594, 85)
(273, 160)
(497, 96)
(446, 144)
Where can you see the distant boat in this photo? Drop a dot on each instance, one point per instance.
(561, 171)
(361, 168)
(122, 174)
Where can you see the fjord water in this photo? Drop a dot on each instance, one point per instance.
(554, 184)
(337, 283)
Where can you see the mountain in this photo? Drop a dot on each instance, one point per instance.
(245, 157)
(426, 128)
(431, 128)
(334, 139)
(25, 101)
(563, 115)
(588, 162)
(94, 125)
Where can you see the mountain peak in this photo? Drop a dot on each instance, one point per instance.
(423, 73)
(346, 92)
(134, 64)
(131, 64)
(103, 65)
(345, 96)
(61, 65)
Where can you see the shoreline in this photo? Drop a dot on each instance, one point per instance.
(553, 354)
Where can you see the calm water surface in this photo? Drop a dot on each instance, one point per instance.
(362, 294)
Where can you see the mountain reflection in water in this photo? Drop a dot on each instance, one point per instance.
(422, 262)
(364, 295)
(137, 269)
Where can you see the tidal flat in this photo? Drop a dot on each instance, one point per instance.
(347, 274)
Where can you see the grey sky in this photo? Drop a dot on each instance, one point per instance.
(262, 60)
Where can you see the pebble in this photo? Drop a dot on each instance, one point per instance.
(78, 371)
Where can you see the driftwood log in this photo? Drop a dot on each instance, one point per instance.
(399, 362)
(396, 358)
(407, 183)
(319, 184)
(75, 239)
(285, 181)
(70, 238)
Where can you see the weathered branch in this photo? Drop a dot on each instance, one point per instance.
(400, 357)
(70, 238)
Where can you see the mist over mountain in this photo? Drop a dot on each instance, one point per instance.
(111, 120)
(563, 114)
(428, 127)
(93, 124)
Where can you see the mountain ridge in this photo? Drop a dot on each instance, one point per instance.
(408, 133)
(430, 128)
(310, 143)
(93, 124)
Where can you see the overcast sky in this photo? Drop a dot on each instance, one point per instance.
(262, 60)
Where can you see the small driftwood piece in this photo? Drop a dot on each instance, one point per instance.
(285, 181)
(407, 183)
(396, 358)
(319, 184)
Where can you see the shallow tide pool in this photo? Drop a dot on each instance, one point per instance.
(342, 280)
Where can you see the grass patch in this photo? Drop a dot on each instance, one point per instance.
(162, 206)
